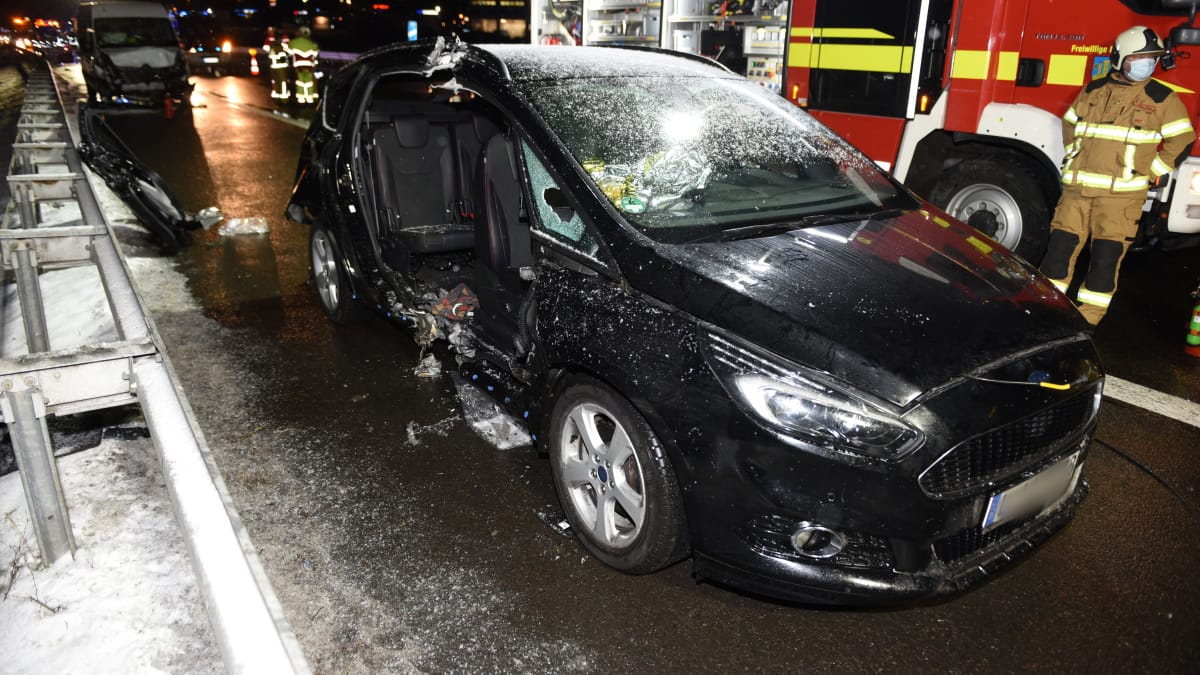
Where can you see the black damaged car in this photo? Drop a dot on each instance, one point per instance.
(736, 339)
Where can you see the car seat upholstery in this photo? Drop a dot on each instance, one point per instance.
(507, 244)
(416, 182)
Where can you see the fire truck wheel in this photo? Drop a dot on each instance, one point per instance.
(1000, 198)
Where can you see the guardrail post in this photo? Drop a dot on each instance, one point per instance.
(29, 292)
(26, 416)
(26, 209)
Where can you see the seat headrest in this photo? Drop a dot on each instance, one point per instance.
(485, 128)
(498, 150)
(412, 133)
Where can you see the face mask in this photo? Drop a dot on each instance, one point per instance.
(1141, 69)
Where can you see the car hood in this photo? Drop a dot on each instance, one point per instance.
(894, 306)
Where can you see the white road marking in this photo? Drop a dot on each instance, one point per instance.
(1166, 405)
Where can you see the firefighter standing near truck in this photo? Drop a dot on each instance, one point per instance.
(1113, 133)
(304, 62)
(277, 54)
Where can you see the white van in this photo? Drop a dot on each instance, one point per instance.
(130, 50)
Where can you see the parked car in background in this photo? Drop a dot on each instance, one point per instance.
(732, 334)
(129, 50)
(208, 45)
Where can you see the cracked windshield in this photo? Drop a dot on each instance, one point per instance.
(689, 158)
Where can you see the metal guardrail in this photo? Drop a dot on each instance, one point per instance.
(252, 633)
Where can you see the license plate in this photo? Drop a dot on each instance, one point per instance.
(212, 59)
(1037, 495)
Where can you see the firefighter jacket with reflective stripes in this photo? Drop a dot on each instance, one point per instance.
(303, 51)
(278, 54)
(1112, 134)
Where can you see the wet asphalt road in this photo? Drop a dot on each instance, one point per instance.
(398, 540)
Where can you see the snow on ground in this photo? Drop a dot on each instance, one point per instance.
(128, 602)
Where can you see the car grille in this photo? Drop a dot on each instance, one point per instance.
(1007, 450)
(963, 544)
(772, 535)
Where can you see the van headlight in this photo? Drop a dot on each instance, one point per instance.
(805, 407)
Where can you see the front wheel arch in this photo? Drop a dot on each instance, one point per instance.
(659, 538)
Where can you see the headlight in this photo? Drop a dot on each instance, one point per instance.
(805, 407)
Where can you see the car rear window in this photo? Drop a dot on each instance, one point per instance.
(685, 157)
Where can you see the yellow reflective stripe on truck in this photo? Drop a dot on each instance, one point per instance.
(973, 64)
(872, 58)
(1067, 69)
(841, 33)
(842, 56)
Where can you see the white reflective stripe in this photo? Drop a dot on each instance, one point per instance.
(1099, 180)
(1159, 167)
(1094, 298)
(304, 53)
(1071, 117)
(1072, 152)
(1111, 132)
(303, 64)
(1061, 285)
(1127, 171)
(1182, 126)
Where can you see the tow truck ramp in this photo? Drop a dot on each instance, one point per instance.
(47, 176)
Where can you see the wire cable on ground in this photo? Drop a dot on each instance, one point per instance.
(1192, 509)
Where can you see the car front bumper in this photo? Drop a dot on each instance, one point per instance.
(773, 576)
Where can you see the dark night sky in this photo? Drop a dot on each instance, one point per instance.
(55, 9)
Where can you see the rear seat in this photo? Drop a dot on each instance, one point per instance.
(417, 185)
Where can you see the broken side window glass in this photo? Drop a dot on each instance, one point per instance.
(556, 216)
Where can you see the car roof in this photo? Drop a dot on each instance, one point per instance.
(520, 64)
(533, 63)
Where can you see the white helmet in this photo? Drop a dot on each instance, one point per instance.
(1136, 40)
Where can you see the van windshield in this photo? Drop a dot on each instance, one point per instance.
(685, 158)
(129, 31)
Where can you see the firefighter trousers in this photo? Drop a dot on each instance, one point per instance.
(306, 86)
(279, 84)
(1110, 223)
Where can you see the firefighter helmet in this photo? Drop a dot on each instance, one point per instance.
(1136, 40)
(305, 31)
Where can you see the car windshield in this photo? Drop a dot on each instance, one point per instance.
(690, 158)
(135, 32)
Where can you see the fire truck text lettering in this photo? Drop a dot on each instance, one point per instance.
(1061, 36)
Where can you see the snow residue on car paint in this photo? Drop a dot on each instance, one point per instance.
(527, 64)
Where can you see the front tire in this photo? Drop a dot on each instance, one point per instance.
(1000, 198)
(614, 480)
(330, 279)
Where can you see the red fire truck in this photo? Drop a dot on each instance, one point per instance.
(963, 99)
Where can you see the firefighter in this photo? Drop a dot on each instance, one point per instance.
(1122, 133)
(304, 60)
(277, 53)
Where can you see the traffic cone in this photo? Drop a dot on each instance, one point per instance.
(1193, 336)
(253, 61)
